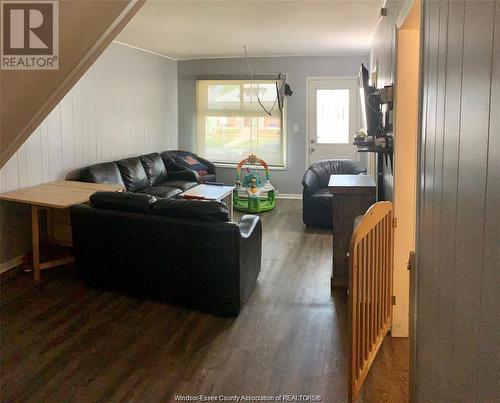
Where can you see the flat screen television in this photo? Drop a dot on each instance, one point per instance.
(370, 105)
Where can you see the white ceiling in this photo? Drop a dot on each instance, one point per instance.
(206, 29)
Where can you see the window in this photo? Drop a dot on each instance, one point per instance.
(231, 124)
(332, 116)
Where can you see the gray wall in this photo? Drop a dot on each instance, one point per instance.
(458, 271)
(383, 59)
(126, 104)
(297, 68)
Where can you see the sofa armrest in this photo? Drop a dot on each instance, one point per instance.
(173, 166)
(185, 174)
(248, 225)
(208, 164)
(310, 182)
(250, 251)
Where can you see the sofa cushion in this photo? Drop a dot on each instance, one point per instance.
(323, 193)
(106, 172)
(161, 191)
(122, 201)
(133, 174)
(200, 210)
(322, 198)
(318, 210)
(168, 156)
(191, 162)
(179, 184)
(154, 167)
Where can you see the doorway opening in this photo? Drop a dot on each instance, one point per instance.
(406, 131)
(405, 161)
(407, 115)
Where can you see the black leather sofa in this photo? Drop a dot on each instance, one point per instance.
(316, 197)
(183, 252)
(143, 174)
(175, 160)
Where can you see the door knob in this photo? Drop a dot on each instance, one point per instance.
(313, 141)
(313, 149)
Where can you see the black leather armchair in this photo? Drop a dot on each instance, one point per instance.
(174, 161)
(316, 197)
(183, 252)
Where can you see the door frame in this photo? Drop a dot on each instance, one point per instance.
(403, 14)
(308, 118)
(406, 33)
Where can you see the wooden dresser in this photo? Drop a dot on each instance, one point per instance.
(352, 196)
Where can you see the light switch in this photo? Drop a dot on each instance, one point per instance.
(296, 128)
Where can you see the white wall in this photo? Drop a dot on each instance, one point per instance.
(125, 105)
(297, 69)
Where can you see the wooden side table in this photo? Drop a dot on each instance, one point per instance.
(55, 198)
(352, 196)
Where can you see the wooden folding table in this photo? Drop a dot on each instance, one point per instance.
(55, 198)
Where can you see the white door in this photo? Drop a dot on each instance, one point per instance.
(333, 120)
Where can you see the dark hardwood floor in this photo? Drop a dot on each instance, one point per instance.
(61, 342)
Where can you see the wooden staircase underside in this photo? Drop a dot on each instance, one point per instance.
(86, 28)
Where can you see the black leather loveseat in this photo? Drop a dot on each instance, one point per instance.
(143, 174)
(184, 252)
(316, 197)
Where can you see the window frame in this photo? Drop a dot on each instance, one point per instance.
(201, 113)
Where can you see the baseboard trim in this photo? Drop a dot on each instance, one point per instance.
(293, 196)
(10, 264)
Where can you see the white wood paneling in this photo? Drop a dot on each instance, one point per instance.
(22, 167)
(55, 144)
(121, 107)
(9, 178)
(67, 136)
(34, 156)
(126, 104)
(44, 145)
(79, 122)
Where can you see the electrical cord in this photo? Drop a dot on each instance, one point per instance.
(380, 127)
(269, 112)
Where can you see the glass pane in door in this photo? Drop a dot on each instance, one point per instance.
(332, 116)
